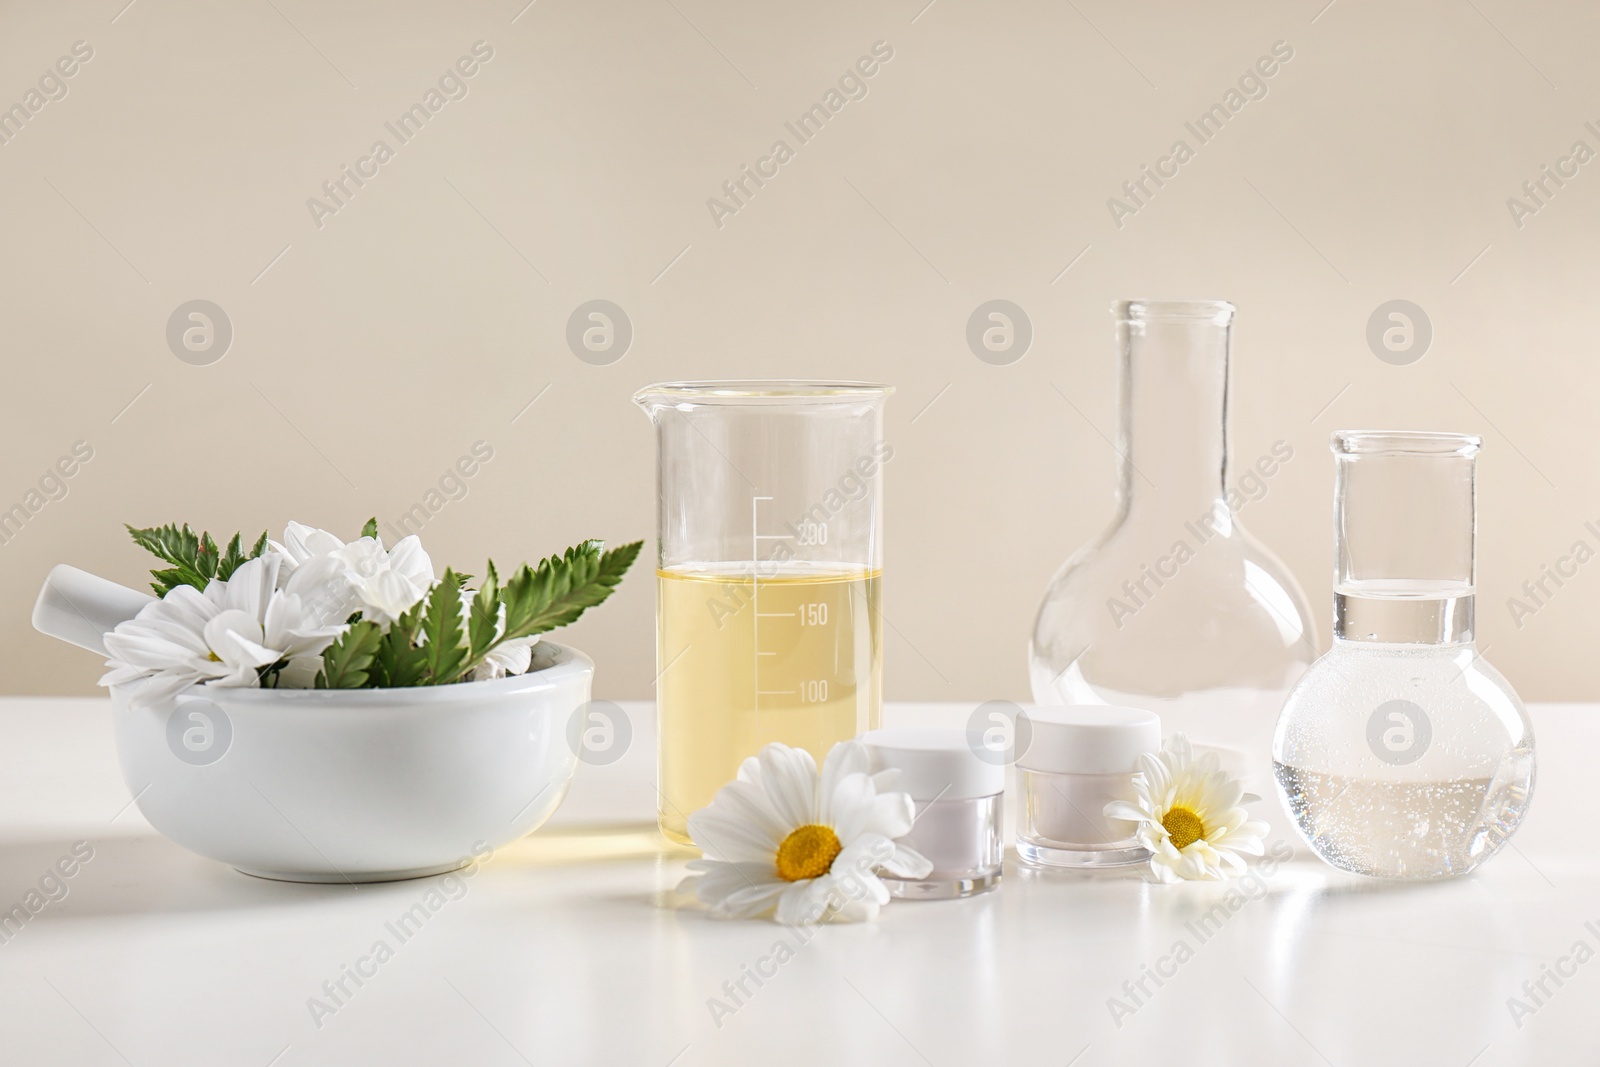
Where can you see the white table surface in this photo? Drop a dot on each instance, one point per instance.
(569, 947)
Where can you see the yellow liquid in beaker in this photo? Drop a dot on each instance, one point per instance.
(796, 657)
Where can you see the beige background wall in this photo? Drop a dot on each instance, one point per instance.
(371, 352)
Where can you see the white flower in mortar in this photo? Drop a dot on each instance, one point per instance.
(225, 635)
(385, 583)
(1188, 815)
(780, 838)
(302, 543)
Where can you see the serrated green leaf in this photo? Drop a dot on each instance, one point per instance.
(400, 663)
(207, 558)
(194, 557)
(371, 527)
(231, 558)
(484, 624)
(347, 663)
(443, 638)
(234, 559)
(564, 587)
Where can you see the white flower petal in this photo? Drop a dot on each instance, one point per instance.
(892, 815)
(907, 862)
(789, 776)
(749, 902)
(730, 839)
(844, 759)
(803, 903)
(747, 802)
(858, 911)
(849, 810)
(887, 780)
(1121, 809)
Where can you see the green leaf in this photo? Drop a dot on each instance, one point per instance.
(540, 599)
(400, 663)
(347, 663)
(485, 620)
(443, 637)
(563, 587)
(194, 557)
(371, 528)
(231, 559)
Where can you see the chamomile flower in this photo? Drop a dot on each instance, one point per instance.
(225, 635)
(781, 838)
(1189, 816)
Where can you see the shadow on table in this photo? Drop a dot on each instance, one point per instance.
(148, 874)
(139, 875)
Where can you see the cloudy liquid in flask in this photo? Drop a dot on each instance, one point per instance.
(755, 653)
(1431, 790)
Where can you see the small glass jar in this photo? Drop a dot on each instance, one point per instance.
(1078, 759)
(958, 800)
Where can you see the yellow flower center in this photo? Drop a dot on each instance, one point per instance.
(1183, 827)
(807, 853)
(213, 657)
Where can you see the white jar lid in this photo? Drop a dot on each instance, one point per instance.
(934, 763)
(1089, 739)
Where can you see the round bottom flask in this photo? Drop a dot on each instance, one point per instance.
(1401, 753)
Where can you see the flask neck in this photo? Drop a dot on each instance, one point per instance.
(1414, 616)
(1173, 435)
(1405, 517)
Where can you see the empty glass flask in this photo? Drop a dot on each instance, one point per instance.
(1175, 608)
(1401, 753)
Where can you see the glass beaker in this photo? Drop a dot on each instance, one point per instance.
(1175, 608)
(768, 577)
(1401, 753)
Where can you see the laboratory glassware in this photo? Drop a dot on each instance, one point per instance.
(1402, 753)
(768, 577)
(1175, 608)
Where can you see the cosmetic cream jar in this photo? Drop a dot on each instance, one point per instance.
(958, 803)
(1079, 759)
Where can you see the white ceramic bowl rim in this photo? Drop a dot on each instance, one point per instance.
(568, 663)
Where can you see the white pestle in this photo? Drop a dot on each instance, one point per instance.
(81, 608)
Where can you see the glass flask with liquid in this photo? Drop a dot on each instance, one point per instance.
(1175, 608)
(1401, 753)
(768, 578)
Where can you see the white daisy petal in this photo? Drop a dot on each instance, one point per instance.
(892, 815)
(715, 881)
(748, 902)
(748, 801)
(1121, 809)
(726, 837)
(865, 853)
(858, 911)
(804, 902)
(1163, 868)
(907, 862)
(887, 780)
(851, 806)
(749, 771)
(789, 776)
(844, 759)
